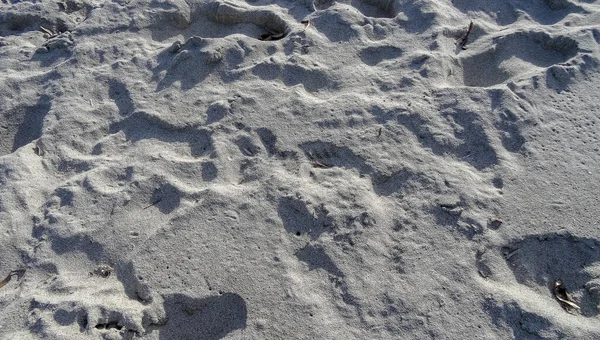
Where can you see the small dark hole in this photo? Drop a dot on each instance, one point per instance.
(298, 233)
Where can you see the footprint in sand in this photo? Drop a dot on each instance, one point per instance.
(526, 269)
(22, 124)
(504, 58)
(143, 125)
(506, 12)
(209, 318)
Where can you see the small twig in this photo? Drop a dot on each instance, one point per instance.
(306, 24)
(153, 204)
(463, 41)
(17, 272)
(320, 165)
(5, 281)
(565, 301)
(48, 33)
(511, 254)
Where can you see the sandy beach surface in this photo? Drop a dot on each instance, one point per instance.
(354, 169)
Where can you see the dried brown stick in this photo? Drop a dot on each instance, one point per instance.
(17, 272)
(6, 280)
(465, 38)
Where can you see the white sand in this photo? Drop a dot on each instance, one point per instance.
(344, 182)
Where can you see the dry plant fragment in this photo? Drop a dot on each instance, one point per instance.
(39, 150)
(49, 34)
(452, 208)
(152, 204)
(563, 298)
(463, 41)
(320, 165)
(306, 24)
(18, 273)
(6, 280)
(102, 271)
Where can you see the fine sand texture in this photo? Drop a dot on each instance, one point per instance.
(298, 169)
